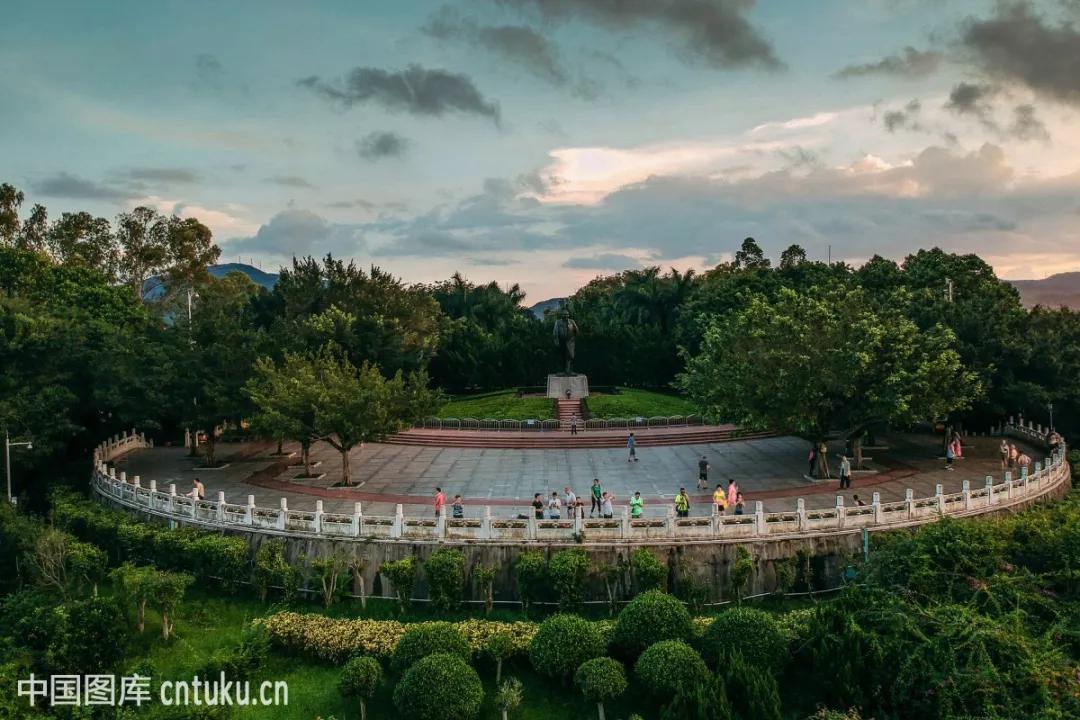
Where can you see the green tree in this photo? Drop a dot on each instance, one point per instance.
(137, 582)
(360, 679)
(601, 679)
(84, 240)
(439, 687)
(402, 575)
(749, 256)
(11, 200)
(286, 398)
(445, 570)
(509, 696)
(817, 361)
(499, 647)
(167, 591)
(568, 570)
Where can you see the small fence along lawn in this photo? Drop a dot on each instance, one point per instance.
(506, 405)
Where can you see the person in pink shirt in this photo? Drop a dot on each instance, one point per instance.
(440, 501)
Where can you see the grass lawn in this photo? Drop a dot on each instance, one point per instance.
(505, 406)
(639, 403)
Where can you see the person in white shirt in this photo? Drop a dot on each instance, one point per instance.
(554, 507)
(571, 501)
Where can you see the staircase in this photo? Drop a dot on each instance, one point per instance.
(565, 410)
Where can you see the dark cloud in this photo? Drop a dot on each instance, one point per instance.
(357, 203)
(1019, 45)
(1026, 125)
(63, 185)
(906, 119)
(299, 232)
(911, 64)
(973, 99)
(518, 44)
(289, 181)
(208, 68)
(714, 31)
(415, 90)
(604, 261)
(381, 144)
(163, 175)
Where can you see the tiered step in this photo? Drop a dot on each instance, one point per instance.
(653, 437)
(565, 410)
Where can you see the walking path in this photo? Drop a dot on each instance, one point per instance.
(768, 469)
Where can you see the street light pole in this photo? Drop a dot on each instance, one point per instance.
(1051, 407)
(7, 460)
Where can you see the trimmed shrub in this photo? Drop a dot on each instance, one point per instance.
(243, 659)
(752, 693)
(445, 571)
(425, 639)
(94, 638)
(741, 571)
(531, 571)
(649, 573)
(402, 575)
(700, 701)
(439, 687)
(562, 643)
(360, 679)
(666, 666)
(567, 571)
(601, 679)
(755, 633)
(649, 618)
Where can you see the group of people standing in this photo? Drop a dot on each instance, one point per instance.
(1012, 457)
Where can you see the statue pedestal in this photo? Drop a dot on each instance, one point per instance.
(558, 384)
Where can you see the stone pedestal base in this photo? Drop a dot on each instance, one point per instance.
(558, 384)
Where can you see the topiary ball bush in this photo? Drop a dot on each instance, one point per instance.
(601, 679)
(423, 639)
(649, 618)
(360, 677)
(439, 687)
(666, 666)
(755, 633)
(562, 643)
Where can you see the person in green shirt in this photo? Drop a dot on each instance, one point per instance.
(682, 503)
(597, 493)
(636, 505)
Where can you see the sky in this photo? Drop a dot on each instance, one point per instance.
(545, 142)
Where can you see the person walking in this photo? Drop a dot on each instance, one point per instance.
(631, 442)
(1003, 450)
(457, 508)
(573, 424)
(703, 473)
(555, 507)
(732, 491)
(823, 460)
(607, 510)
(957, 446)
(682, 503)
(637, 505)
(538, 507)
(1014, 455)
(950, 456)
(440, 501)
(597, 494)
(719, 499)
(198, 490)
(812, 459)
(845, 472)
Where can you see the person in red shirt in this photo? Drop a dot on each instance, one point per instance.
(440, 501)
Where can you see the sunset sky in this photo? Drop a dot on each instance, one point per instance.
(547, 141)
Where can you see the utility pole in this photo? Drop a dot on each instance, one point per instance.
(7, 460)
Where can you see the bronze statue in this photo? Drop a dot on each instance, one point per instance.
(566, 331)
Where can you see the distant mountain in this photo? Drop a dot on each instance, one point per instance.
(1054, 291)
(544, 305)
(267, 280)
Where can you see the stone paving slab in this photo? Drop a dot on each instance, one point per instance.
(768, 469)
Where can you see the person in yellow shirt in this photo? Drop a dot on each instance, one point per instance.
(719, 499)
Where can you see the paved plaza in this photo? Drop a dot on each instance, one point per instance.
(770, 469)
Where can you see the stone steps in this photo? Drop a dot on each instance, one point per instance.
(556, 439)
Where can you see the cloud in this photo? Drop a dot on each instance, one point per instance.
(357, 203)
(906, 119)
(911, 64)
(716, 32)
(381, 144)
(288, 181)
(163, 175)
(415, 90)
(518, 44)
(604, 261)
(973, 99)
(298, 232)
(1017, 44)
(63, 185)
(1026, 125)
(208, 69)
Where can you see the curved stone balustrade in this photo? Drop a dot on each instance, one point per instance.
(1048, 475)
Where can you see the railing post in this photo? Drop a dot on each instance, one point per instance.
(123, 476)
(153, 484)
(172, 498)
(909, 498)
(318, 516)
(532, 526)
(939, 496)
(579, 518)
(876, 503)
(398, 528)
(965, 488)
(800, 511)
(715, 520)
(485, 523)
(989, 490)
(357, 519)
(249, 511)
(759, 518)
(669, 522)
(221, 506)
(1008, 485)
(624, 523)
(283, 513)
(841, 511)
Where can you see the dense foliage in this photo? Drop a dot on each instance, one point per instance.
(439, 687)
(650, 617)
(425, 639)
(666, 666)
(754, 632)
(562, 643)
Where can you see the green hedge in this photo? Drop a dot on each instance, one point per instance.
(649, 618)
(439, 687)
(562, 643)
(666, 666)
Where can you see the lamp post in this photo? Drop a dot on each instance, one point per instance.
(7, 460)
(1050, 406)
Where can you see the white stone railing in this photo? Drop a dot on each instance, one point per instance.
(451, 423)
(118, 445)
(1047, 475)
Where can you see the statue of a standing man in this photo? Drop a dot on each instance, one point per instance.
(566, 331)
